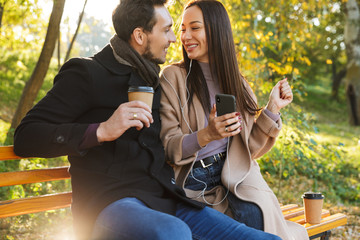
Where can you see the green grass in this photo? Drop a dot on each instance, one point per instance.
(332, 119)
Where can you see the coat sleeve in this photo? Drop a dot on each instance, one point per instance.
(263, 133)
(50, 128)
(172, 133)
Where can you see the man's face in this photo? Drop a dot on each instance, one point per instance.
(159, 39)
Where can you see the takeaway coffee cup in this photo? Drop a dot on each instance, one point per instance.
(142, 93)
(313, 202)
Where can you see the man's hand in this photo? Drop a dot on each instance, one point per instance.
(130, 114)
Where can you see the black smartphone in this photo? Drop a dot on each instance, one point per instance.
(225, 103)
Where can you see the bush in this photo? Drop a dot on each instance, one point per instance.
(296, 153)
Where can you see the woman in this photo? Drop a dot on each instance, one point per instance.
(213, 156)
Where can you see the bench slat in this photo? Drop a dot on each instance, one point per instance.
(326, 224)
(34, 204)
(33, 176)
(7, 153)
(301, 218)
(293, 213)
(288, 207)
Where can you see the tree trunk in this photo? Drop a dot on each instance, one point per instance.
(33, 86)
(76, 32)
(336, 80)
(352, 78)
(59, 50)
(1, 13)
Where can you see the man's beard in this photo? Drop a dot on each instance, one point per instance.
(150, 56)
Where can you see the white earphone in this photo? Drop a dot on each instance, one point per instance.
(187, 98)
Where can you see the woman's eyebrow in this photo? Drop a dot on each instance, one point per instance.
(192, 22)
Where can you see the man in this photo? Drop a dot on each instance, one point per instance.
(122, 188)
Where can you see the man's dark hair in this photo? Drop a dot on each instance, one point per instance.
(130, 14)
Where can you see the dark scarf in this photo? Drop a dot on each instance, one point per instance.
(127, 55)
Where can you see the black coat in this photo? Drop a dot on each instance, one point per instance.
(89, 90)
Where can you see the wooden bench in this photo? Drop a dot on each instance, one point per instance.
(17, 207)
(293, 212)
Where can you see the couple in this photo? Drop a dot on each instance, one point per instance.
(122, 186)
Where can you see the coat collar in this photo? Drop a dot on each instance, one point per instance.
(106, 58)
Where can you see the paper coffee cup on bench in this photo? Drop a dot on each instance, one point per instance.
(313, 202)
(141, 93)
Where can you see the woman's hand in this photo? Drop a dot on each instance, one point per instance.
(281, 95)
(227, 125)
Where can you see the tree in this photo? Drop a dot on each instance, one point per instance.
(1, 12)
(352, 78)
(21, 24)
(33, 86)
(76, 32)
(301, 40)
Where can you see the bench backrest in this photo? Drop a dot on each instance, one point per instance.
(14, 207)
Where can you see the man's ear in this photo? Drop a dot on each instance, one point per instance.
(138, 36)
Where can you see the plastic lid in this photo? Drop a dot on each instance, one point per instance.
(313, 195)
(141, 89)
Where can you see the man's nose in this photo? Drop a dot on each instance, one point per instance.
(172, 37)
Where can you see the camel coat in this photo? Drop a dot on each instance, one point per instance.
(241, 173)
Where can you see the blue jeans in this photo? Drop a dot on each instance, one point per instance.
(129, 218)
(245, 212)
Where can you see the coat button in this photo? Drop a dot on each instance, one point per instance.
(60, 139)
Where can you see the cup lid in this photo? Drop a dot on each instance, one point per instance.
(141, 89)
(312, 195)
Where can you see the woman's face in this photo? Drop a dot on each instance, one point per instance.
(193, 36)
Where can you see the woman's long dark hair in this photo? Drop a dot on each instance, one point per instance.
(222, 60)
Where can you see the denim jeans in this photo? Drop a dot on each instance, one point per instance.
(129, 218)
(245, 212)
